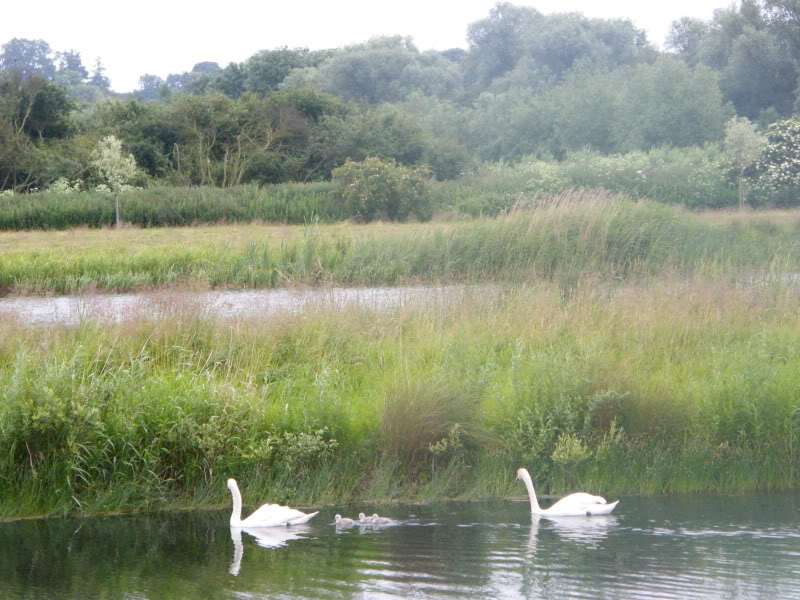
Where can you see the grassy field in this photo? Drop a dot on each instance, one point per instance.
(565, 238)
(636, 349)
(646, 388)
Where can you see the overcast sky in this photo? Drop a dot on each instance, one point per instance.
(169, 36)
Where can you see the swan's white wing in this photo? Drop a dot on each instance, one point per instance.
(304, 519)
(580, 504)
(578, 499)
(601, 509)
(273, 515)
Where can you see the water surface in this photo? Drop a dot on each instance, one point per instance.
(668, 547)
(71, 310)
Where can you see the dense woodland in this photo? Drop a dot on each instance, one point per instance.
(558, 90)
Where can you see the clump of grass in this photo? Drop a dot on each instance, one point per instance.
(419, 414)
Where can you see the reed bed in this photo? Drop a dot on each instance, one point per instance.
(669, 384)
(296, 203)
(563, 238)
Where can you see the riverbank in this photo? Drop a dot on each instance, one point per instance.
(562, 239)
(665, 385)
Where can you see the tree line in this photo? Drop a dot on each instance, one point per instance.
(528, 84)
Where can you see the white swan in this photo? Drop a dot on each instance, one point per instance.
(376, 520)
(269, 515)
(364, 520)
(574, 505)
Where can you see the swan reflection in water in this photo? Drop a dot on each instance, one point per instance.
(266, 537)
(589, 531)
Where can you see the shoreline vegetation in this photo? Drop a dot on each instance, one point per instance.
(636, 349)
(648, 388)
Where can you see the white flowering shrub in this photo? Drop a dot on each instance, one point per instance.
(377, 189)
(778, 168)
(6, 193)
(65, 186)
(544, 177)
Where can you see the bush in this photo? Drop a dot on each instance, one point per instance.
(379, 189)
(779, 167)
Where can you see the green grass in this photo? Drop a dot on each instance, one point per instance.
(564, 238)
(662, 385)
(173, 206)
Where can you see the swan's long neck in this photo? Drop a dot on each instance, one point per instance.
(531, 493)
(236, 515)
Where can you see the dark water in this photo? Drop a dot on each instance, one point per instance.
(668, 547)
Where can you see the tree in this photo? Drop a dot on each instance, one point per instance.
(684, 38)
(743, 145)
(28, 58)
(495, 43)
(98, 78)
(207, 67)
(32, 112)
(383, 132)
(265, 70)
(221, 139)
(760, 73)
(115, 166)
(230, 81)
(71, 61)
(667, 103)
(151, 87)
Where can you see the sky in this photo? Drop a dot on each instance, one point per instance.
(170, 36)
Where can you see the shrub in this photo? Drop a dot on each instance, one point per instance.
(779, 167)
(380, 189)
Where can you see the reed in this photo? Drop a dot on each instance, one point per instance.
(173, 206)
(656, 385)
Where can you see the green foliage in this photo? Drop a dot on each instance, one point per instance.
(753, 47)
(33, 113)
(375, 189)
(265, 70)
(779, 166)
(27, 58)
(384, 69)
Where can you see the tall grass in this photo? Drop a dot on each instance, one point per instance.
(564, 238)
(661, 385)
(171, 206)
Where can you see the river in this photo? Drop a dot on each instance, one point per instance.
(667, 547)
(72, 310)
